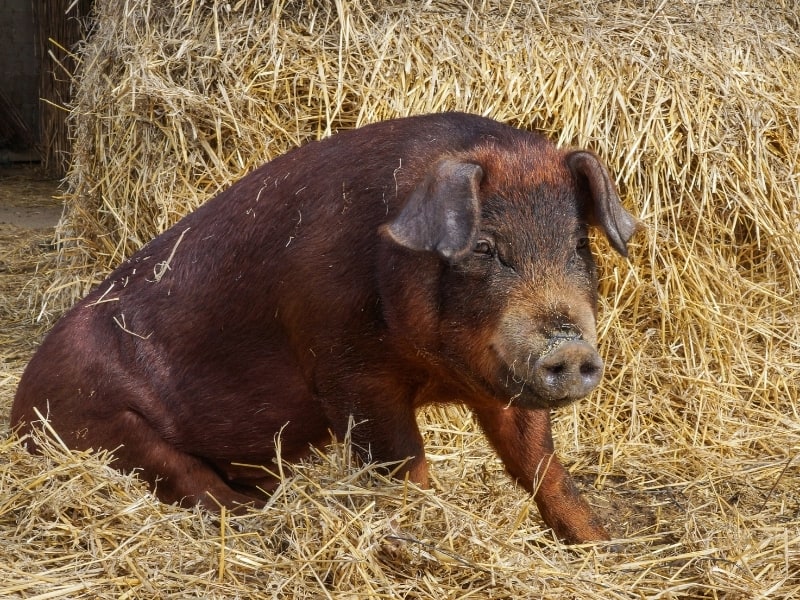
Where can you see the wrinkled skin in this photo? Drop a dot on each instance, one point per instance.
(432, 259)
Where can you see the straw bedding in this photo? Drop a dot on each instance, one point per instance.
(689, 449)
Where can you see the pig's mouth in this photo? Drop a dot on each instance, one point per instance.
(567, 370)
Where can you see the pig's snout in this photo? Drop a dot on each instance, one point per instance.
(552, 360)
(569, 370)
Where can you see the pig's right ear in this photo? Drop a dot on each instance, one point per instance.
(442, 212)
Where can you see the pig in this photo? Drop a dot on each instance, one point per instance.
(425, 260)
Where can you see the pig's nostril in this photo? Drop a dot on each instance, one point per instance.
(556, 369)
(591, 369)
(551, 374)
(590, 375)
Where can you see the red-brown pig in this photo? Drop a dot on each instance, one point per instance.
(432, 259)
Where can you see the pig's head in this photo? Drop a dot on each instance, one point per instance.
(502, 286)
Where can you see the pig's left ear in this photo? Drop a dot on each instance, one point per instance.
(442, 212)
(606, 210)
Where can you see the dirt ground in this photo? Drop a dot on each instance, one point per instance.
(27, 202)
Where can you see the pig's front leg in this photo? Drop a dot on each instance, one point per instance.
(524, 441)
(382, 426)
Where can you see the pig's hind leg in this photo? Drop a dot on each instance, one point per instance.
(174, 475)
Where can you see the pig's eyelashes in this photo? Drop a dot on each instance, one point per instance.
(488, 250)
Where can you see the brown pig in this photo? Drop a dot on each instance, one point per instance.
(432, 259)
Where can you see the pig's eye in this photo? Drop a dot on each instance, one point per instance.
(582, 244)
(484, 247)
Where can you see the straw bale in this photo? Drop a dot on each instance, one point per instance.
(689, 449)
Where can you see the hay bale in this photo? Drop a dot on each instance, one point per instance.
(691, 441)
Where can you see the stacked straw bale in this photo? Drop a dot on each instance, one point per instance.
(689, 448)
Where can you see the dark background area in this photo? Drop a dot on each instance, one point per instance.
(36, 61)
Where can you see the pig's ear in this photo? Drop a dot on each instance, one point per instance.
(442, 212)
(606, 210)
